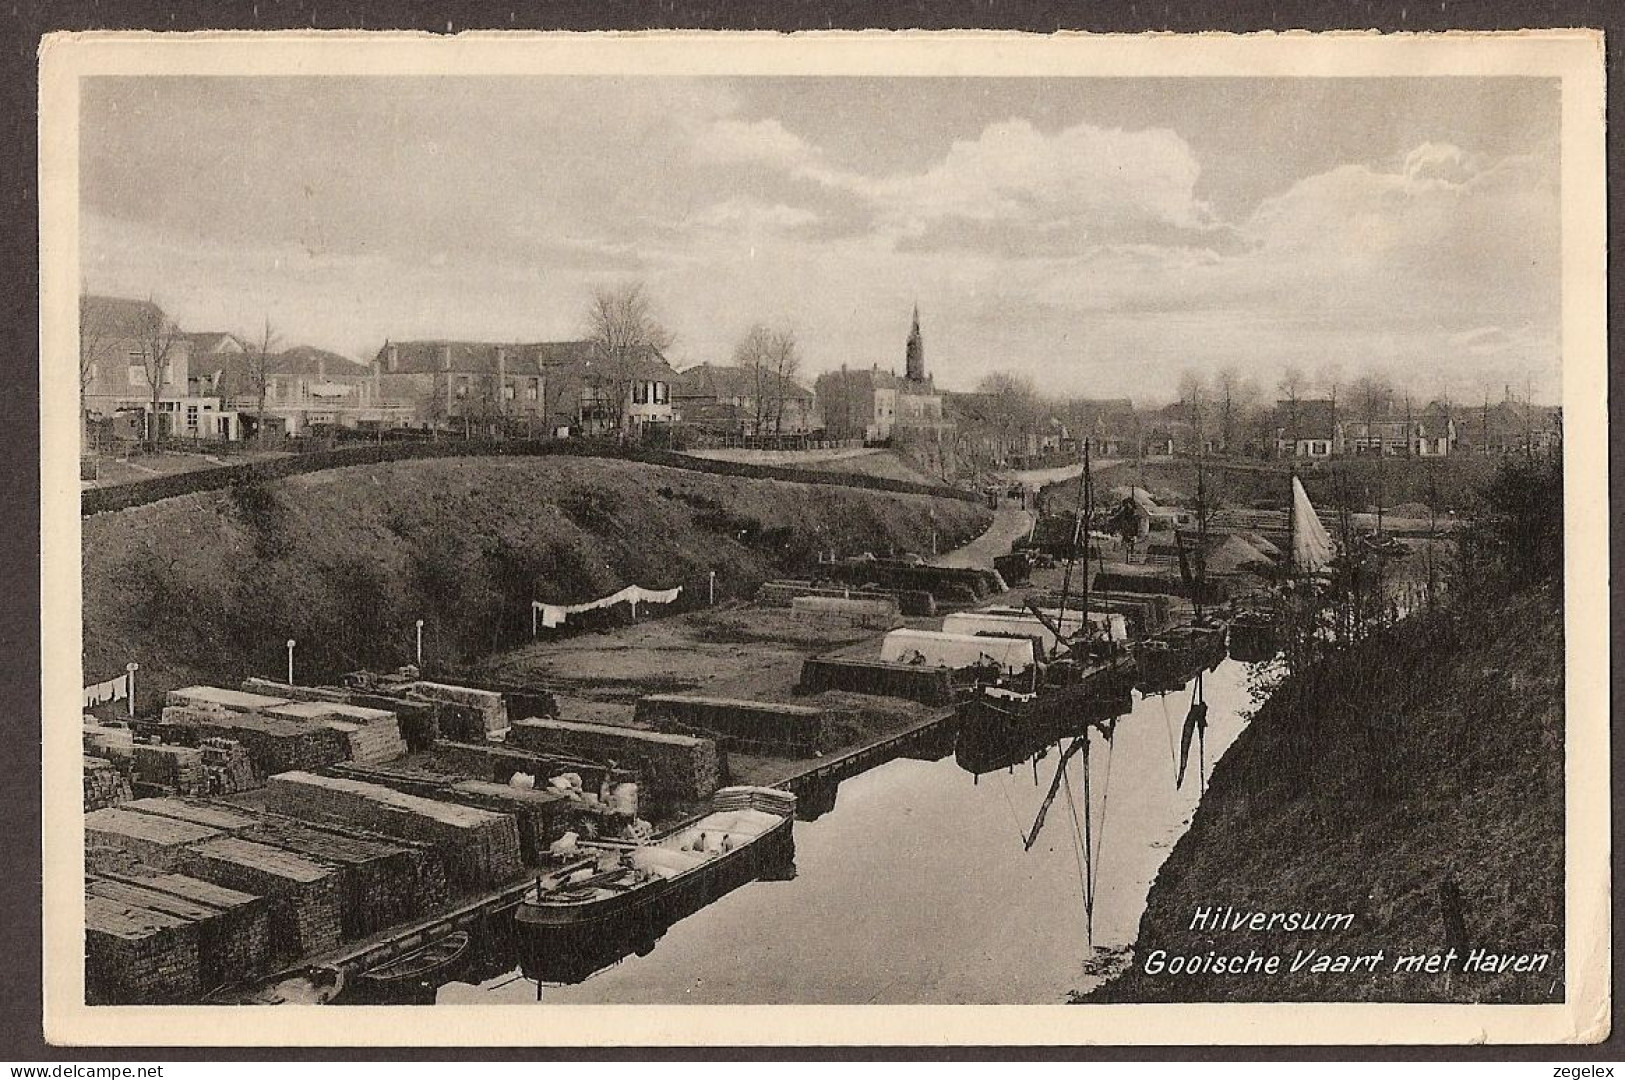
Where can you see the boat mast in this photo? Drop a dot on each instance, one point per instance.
(1201, 531)
(1072, 553)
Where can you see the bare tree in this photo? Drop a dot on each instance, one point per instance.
(259, 360)
(1014, 403)
(624, 330)
(98, 348)
(1193, 404)
(1291, 389)
(786, 366)
(1331, 379)
(156, 337)
(754, 356)
(1228, 386)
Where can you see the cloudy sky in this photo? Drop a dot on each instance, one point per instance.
(1100, 235)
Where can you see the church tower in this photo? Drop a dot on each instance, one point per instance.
(916, 350)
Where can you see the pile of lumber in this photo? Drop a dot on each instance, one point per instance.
(306, 904)
(913, 682)
(542, 815)
(225, 819)
(480, 848)
(105, 785)
(157, 841)
(783, 593)
(493, 761)
(233, 928)
(751, 726)
(177, 768)
(116, 744)
(475, 714)
(380, 882)
(274, 744)
(681, 767)
(418, 720)
(136, 955)
(373, 735)
(227, 766)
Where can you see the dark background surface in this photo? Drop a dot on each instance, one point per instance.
(21, 27)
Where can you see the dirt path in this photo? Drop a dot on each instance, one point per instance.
(1010, 523)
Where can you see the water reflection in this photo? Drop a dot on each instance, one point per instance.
(925, 884)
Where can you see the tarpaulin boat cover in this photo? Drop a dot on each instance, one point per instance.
(553, 615)
(934, 649)
(1007, 622)
(1311, 544)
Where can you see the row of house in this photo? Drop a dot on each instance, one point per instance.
(209, 387)
(1318, 429)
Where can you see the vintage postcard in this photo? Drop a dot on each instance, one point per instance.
(958, 538)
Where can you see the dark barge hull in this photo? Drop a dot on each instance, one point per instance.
(997, 734)
(568, 943)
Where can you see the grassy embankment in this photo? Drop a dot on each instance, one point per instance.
(208, 587)
(1414, 778)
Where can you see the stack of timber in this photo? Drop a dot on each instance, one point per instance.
(681, 767)
(274, 744)
(136, 955)
(750, 726)
(174, 768)
(225, 819)
(947, 584)
(474, 714)
(373, 735)
(233, 928)
(306, 914)
(227, 766)
(160, 842)
(783, 592)
(116, 744)
(481, 849)
(105, 785)
(913, 682)
(499, 762)
(418, 719)
(380, 882)
(878, 612)
(542, 815)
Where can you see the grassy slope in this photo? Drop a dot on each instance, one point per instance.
(209, 586)
(1446, 762)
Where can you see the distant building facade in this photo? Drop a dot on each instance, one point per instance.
(875, 405)
(124, 345)
(559, 387)
(740, 401)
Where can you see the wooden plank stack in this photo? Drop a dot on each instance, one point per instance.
(306, 910)
(105, 785)
(481, 848)
(681, 767)
(373, 735)
(136, 955)
(380, 882)
(751, 726)
(177, 768)
(274, 744)
(157, 841)
(232, 927)
(227, 766)
(226, 819)
(234, 946)
(541, 815)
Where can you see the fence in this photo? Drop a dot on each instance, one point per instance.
(141, 492)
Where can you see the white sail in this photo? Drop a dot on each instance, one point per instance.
(1311, 544)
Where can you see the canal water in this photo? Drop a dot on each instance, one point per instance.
(917, 886)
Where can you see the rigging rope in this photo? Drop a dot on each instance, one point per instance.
(1105, 795)
(1079, 854)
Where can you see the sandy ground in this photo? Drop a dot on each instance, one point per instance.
(785, 457)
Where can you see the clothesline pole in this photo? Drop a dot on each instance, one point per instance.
(533, 610)
(711, 594)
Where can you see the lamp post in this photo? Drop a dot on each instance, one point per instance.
(291, 644)
(129, 687)
(420, 644)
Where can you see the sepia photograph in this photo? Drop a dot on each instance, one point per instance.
(695, 521)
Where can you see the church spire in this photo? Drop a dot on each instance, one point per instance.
(916, 350)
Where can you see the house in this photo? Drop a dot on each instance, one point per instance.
(1307, 428)
(307, 388)
(554, 387)
(124, 346)
(743, 401)
(1508, 427)
(875, 405)
(209, 353)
